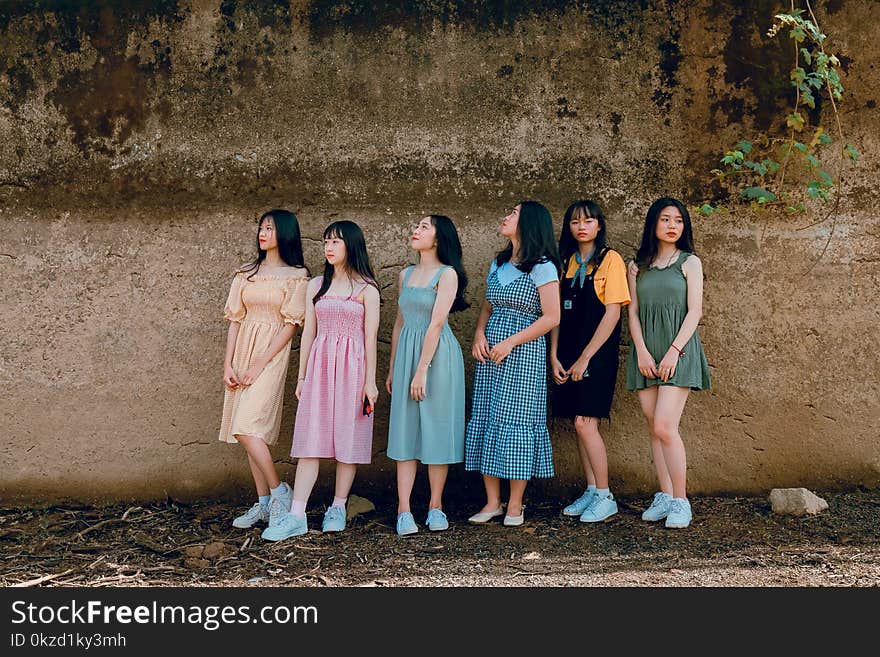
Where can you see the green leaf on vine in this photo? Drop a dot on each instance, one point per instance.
(807, 99)
(815, 191)
(758, 194)
(807, 57)
(801, 147)
(757, 167)
(772, 166)
(852, 152)
(707, 210)
(745, 146)
(795, 121)
(798, 34)
(813, 161)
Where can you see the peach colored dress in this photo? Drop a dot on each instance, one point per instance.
(262, 305)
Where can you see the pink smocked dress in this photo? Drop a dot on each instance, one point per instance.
(329, 418)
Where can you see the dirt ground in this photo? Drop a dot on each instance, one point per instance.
(734, 541)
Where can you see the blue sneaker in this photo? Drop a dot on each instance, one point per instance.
(334, 519)
(284, 498)
(437, 520)
(679, 513)
(285, 526)
(659, 508)
(601, 509)
(406, 524)
(581, 504)
(257, 513)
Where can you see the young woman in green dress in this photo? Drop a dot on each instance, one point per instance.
(666, 359)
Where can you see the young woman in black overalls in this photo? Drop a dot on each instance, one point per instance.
(584, 347)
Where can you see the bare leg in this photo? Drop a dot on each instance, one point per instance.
(667, 415)
(259, 480)
(260, 457)
(306, 476)
(648, 400)
(493, 493)
(345, 473)
(406, 478)
(517, 490)
(437, 479)
(592, 448)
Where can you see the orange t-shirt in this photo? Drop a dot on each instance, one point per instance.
(610, 280)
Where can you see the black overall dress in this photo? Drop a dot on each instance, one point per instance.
(581, 313)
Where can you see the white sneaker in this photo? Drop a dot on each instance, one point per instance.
(659, 508)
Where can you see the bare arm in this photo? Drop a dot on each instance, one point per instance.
(646, 363)
(693, 273)
(308, 335)
(692, 269)
(480, 350)
(395, 336)
(600, 336)
(446, 289)
(371, 334)
(549, 294)
(281, 340)
(230, 378)
(560, 376)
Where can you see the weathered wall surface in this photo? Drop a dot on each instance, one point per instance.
(139, 140)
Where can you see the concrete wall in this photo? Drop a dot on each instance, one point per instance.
(139, 141)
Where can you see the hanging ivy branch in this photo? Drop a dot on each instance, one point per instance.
(756, 169)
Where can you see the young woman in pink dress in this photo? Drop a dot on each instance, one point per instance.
(336, 387)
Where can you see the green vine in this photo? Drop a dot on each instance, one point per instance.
(755, 170)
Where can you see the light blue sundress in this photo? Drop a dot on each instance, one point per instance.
(432, 430)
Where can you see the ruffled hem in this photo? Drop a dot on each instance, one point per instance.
(510, 451)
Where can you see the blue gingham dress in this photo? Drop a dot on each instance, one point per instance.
(507, 433)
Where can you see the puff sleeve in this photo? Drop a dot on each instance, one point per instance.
(293, 308)
(235, 310)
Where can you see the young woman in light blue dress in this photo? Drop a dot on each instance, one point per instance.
(426, 378)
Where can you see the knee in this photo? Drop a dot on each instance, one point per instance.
(664, 430)
(586, 426)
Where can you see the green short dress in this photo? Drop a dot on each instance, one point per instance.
(662, 298)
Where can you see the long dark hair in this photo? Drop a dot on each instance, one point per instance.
(536, 240)
(449, 253)
(648, 248)
(289, 242)
(567, 242)
(356, 258)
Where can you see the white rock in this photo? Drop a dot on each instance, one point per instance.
(796, 502)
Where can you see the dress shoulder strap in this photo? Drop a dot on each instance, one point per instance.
(354, 295)
(407, 273)
(436, 277)
(679, 261)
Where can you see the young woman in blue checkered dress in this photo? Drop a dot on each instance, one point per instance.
(506, 436)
